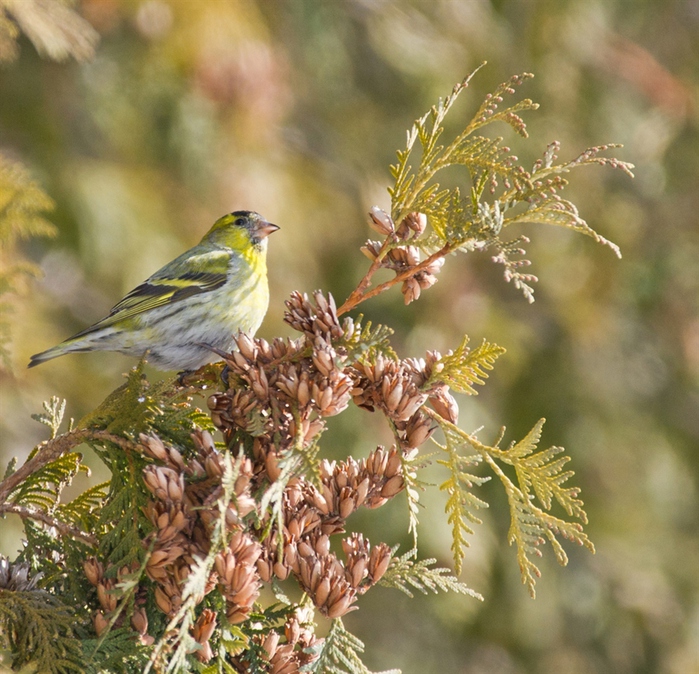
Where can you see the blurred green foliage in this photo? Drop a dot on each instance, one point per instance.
(192, 109)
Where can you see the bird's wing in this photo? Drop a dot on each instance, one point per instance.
(188, 275)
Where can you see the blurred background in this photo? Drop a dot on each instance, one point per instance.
(189, 110)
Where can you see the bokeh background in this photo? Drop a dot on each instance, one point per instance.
(192, 109)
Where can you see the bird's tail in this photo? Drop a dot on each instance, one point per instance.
(55, 351)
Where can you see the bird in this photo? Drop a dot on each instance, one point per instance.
(193, 307)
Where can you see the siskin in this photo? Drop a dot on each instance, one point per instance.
(192, 305)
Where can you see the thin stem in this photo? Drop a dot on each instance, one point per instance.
(360, 293)
(50, 450)
(42, 516)
(356, 295)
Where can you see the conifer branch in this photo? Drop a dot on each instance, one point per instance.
(360, 294)
(64, 529)
(406, 571)
(50, 450)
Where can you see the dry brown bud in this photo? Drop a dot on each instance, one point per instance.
(425, 280)
(270, 643)
(106, 598)
(93, 570)
(371, 249)
(435, 266)
(153, 446)
(393, 462)
(163, 600)
(292, 631)
(100, 623)
(381, 221)
(165, 483)
(341, 606)
(362, 491)
(246, 346)
(236, 614)
(413, 225)
(379, 559)
(322, 591)
(393, 486)
(418, 430)
(205, 625)
(139, 620)
(444, 404)
(411, 290)
(272, 466)
(322, 546)
(264, 568)
(281, 571)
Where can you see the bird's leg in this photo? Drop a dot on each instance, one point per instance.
(183, 376)
(224, 375)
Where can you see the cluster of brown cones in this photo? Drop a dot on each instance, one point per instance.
(402, 258)
(271, 417)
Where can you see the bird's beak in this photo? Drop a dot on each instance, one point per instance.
(264, 229)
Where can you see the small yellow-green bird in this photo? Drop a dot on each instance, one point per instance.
(193, 304)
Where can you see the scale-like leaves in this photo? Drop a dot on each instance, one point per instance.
(43, 488)
(488, 111)
(463, 368)
(22, 203)
(530, 527)
(482, 156)
(506, 251)
(554, 210)
(460, 506)
(340, 653)
(405, 572)
(543, 472)
(410, 463)
(462, 503)
(363, 340)
(477, 225)
(54, 410)
(80, 512)
(39, 630)
(449, 218)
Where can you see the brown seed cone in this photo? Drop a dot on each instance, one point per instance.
(100, 622)
(411, 290)
(418, 430)
(204, 627)
(94, 570)
(154, 447)
(444, 404)
(379, 560)
(412, 226)
(381, 221)
(105, 595)
(164, 483)
(392, 386)
(371, 249)
(318, 319)
(139, 620)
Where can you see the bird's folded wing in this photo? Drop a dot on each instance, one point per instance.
(192, 276)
